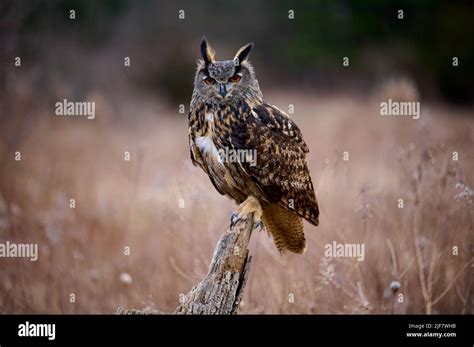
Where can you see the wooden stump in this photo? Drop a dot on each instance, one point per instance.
(221, 291)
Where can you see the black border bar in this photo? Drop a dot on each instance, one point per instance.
(260, 329)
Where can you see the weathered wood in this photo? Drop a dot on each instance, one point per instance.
(221, 291)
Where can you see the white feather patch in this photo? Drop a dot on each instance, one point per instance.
(209, 117)
(207, 146)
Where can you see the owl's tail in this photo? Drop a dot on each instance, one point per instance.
(286, 228)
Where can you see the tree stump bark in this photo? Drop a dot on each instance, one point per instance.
(221, 291)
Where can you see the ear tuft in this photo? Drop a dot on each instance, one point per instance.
(207, 52)
(244, 52)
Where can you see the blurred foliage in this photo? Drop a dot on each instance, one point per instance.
(306, 51)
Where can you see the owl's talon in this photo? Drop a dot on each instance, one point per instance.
(258, 226)
(234, 218)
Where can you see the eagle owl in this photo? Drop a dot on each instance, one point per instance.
(267, 160)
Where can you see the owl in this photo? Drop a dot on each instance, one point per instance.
(250, 148)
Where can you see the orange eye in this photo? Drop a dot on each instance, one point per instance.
(235, 79)
(209, 80)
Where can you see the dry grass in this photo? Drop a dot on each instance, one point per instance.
(136, 204)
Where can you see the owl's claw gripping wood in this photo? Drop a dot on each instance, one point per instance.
(258, 226)
(251, 206)
(233, 219)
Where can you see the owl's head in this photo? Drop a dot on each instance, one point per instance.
(225, 80)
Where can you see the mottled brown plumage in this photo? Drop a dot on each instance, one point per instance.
(228, 115)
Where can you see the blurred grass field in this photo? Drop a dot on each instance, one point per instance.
(170, 216)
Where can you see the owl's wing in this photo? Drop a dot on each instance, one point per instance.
(280, 169)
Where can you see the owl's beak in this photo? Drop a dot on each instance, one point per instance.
(222, 90)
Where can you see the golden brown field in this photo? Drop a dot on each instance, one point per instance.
(138, 204)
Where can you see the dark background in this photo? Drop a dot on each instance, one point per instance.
(306, 52)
